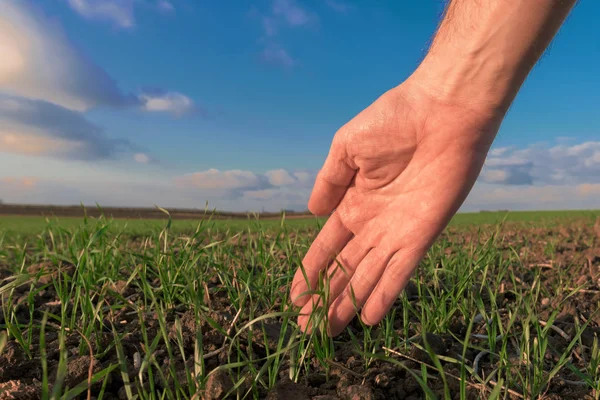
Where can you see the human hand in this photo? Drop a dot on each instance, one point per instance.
(395, 175)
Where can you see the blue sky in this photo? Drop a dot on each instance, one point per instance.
(179, 102)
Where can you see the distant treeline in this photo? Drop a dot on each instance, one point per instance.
(132, 212)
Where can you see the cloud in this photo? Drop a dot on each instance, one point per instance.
(287, 13)
(39, 128)
(558, 165)
(588, 189)
(277, 55)
(119, 12)
(500, 151)
(291, 13)
(297, 179)
(166, 6)
(269, 25)
(339, 6)
(508, 174)
(284, 198)
(215, 179)
(142, 158)
(141, 192)
(305, 177)
(171, 102)
(544, 197)
(39, 62)
(242, 190)
(277, 186)
(283, 13)
(280, 177)
(20, 182)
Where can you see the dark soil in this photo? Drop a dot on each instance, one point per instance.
(574, 246)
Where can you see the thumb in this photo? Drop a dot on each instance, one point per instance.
(332, 180)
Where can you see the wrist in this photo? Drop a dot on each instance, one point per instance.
(483, 83)
(482, 54)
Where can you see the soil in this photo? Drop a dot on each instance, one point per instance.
(576, 246)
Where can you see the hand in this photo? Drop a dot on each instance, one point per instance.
(395, 175)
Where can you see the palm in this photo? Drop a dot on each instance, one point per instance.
(395, 176)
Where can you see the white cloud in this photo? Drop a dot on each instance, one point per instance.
(43, 64)
(536, 164)
(215, 179)
(142, 158)
(119, 12)
(279, 187)
(486, 196)
(278, 198)
(499, 151)
(297, 179)
(305, 177)
(171, 102)
(240, 190)
(139, 192)
(280, 177)
(39, 62)
(264, 194)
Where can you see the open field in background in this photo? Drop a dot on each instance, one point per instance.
(235, 222)
(503, 306)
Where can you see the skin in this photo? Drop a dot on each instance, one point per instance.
(397, 172)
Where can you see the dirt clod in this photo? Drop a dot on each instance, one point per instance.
(436, 343)
(286, 390)
(17, 390)
(357, 392)
(218, 385)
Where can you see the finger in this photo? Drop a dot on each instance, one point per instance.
(356, 293)
(394, 279)
(339, 273)
(328, 244)
(332, 180)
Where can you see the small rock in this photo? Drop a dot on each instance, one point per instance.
(218, 385)
(545, 302)
(357, 392)
(352, 362)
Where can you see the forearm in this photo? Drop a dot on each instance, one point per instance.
(484, 49)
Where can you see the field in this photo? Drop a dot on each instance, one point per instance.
(503, 306)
